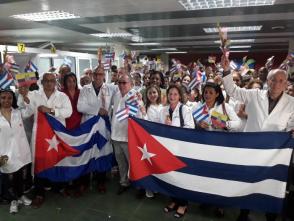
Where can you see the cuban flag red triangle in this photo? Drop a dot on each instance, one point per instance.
(49, 148)
(147, 155)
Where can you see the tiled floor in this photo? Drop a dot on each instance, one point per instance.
(109, 207)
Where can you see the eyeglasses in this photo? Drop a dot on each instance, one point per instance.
(123, 82)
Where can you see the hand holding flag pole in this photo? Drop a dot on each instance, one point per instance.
(99, 56)
(225, 42)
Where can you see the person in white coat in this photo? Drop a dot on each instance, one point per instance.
(119, 132)
(178, 115)
(46, 100)
(213, 98)
(268, 110)
(13, 144)
(94, 99)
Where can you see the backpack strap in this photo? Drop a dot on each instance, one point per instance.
(182, 123)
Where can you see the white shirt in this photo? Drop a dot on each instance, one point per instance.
(153, 113)
(187, 116)
(257, 106)
(89, 103)
(234, 124)
(14, 143)
(59, 101)
(119, 129)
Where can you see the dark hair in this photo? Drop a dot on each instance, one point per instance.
(14, 100)
(66, 77)
(179, 90)
(254, 81)
(160, 75)
(158, 101)
(220, 99)
(185, 75)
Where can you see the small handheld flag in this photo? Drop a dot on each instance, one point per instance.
(201, 114)
(218, 120)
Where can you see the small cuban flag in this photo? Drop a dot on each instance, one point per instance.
(133, 109)
(122, 114)
(201, 114)
(31, 67)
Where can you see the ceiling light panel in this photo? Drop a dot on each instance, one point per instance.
(163, 49)
(112, 35)
(240, 46)
(234, 29)
(145, 44)
(238, 41)
(210, 4)
(176, 52)
(45, 16)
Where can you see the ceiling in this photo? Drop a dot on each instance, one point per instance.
(161, 21)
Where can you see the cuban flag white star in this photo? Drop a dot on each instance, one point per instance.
(145, 154)
(53, 143)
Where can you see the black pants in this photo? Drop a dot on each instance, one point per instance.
(40, 184)
(12, 185)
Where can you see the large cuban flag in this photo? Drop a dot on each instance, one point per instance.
(244, 170)
(63, 155)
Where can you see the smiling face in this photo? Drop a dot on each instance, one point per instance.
(210, 95)
(49, 82)
(152, 95)
(155, 80)
(6, 99)
(124, 84)
(186, 80)
(174, 96)
(277, 83)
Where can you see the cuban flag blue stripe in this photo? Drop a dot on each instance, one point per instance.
(92, 140)
(244, 170)
(253, 202)
(270, 140)
(83, 129)
(63, 174)
(232, 172)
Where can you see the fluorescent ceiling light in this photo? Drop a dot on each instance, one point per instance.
(163, 49)
(210, 4)
(234, 29)
(240, 46)
(145, 44)
(176, 52)
(46, 16)
(112, 35)
(48, 55)
(241, 51)
(238, 41)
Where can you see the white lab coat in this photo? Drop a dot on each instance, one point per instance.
(234, 124)
(59, 101)
(187, 116)
(280, 119)
(119, 129)
(153, 113)
(89, 103)
(14, 143)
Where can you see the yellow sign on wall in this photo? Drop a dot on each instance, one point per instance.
(53, 50)
(21, 47)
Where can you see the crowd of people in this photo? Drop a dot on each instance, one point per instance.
(259, 101)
